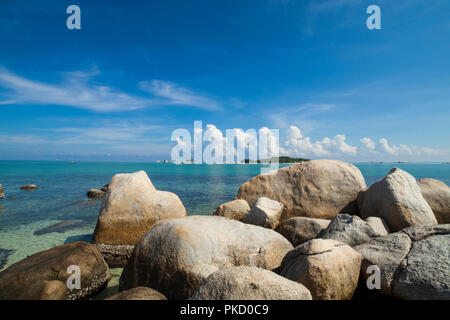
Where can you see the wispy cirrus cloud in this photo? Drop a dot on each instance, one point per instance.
(76, 91)
(178, 95)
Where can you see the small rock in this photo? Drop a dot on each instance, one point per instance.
(95, 193)
(139, 293)
(379, 225)
(2, 192)
(328, 268)
(265, 213)
(29, 187)
(105, 188)
(437, 195)
(4, 255)
(249, 283)
(236, 209)
(301, 229)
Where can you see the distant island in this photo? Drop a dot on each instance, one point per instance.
(278, 160)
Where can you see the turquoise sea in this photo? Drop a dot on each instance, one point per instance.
(62, 191)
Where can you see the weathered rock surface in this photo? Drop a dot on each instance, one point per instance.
(45, 290)
(61, 227)
(315, 189)
(52, 264)
(95, 193)
(328, 268)
(398, 200)
(379, 225)
(414, 262)
(2, 192)
(437, 195)
(139, 293)
(176, 255)
(29, 187)
(4, 255)
(131, 206)
(301, 229)
(249, 283)
(351, 230)
(236, 209)
(265, 213)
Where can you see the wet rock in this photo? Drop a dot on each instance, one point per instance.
(95, 193)
(29, 187)
(2, 192)
(53, 264)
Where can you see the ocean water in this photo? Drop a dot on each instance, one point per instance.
(62, 196)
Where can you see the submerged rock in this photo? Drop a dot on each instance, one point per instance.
(437, 195)
(314, 189)
(53, 264)
(131, 206)
(236, 209)
(61, 227)
(29, 187)
(176, 255)
(265, 213)
(301, 229)
(414, 263)
(139, 293)
(4, 255)
(328, 268)
(398, 200)
(249, 283)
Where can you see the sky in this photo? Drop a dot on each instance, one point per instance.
(136, 71)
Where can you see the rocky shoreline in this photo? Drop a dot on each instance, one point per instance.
(312, 230)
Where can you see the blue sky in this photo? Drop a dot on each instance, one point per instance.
(117, 88)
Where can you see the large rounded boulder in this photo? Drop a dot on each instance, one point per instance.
(41, 274)
(437, 195)
(316, 189)
(175, 256)
(235, 209)
(398, 200)
(328, 268)
(413, 263)
(131, 206)
(249, 283)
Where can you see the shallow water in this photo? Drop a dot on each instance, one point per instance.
(62, 191)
